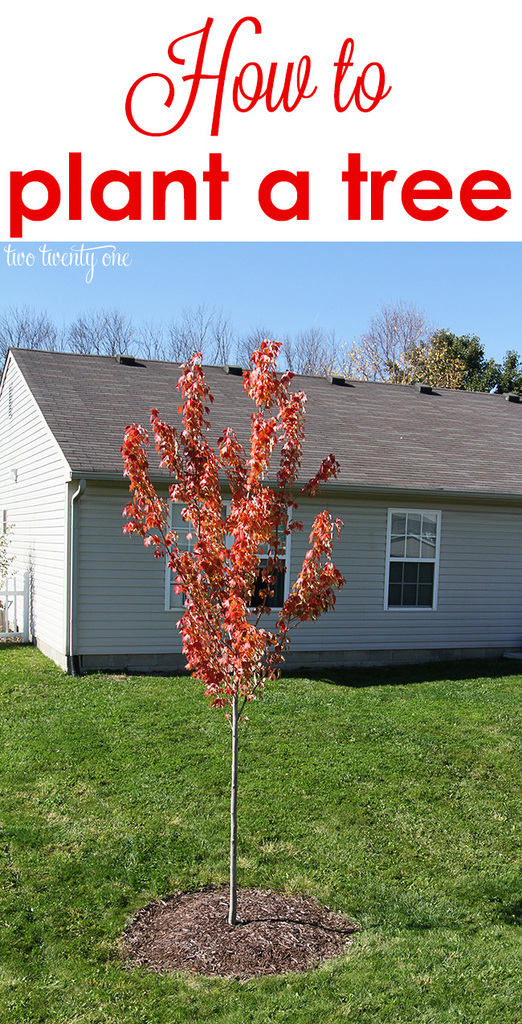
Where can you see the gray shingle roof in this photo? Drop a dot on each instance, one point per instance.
(384, 436)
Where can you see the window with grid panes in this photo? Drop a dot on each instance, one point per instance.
(186, 540)
(412, 558)
(185, 543)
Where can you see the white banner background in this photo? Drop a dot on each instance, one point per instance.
(453, 107)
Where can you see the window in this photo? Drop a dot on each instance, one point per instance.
(412, 559)
(175, 601)
(183, 529)
(279, 585)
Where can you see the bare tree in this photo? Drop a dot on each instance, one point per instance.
(311, 352)
(223, 340)
(150, 340)
(202, 329)
(250, 342)
(190, 333)
(382, 352)
(24, 327)
(102, 333)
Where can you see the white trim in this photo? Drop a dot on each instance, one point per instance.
(11, 619)
(288, 562)
(436, 513)
(167, 586)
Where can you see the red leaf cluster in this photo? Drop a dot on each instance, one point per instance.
(223, 640)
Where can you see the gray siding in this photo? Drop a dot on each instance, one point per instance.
(35, 505)
(479, 592)
(121, 587)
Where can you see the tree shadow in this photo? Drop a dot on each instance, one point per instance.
(355, 677)
(512, 914)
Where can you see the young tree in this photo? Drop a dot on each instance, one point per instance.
(224, 641)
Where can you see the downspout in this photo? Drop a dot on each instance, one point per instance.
(73, 661)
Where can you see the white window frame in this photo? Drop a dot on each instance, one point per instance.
(170, 598)
(174, 602)
(436, 514)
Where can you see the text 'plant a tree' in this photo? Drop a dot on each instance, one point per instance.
(228, 572)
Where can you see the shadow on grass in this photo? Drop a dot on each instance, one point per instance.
(349, 676)
(512, 914)
(407, 675)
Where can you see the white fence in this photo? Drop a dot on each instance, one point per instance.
(14, 609)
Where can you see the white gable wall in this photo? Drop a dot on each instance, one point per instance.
(32, 491)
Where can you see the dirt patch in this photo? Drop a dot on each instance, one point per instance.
(275, 933)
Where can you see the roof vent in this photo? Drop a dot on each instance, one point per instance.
(424, 389)
(126, 360)
(339, 381)
(511, 397)
(236, 371)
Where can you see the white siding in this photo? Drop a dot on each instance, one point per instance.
(35, 504)
(121, 589)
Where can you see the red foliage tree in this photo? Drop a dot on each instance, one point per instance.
(225, 642)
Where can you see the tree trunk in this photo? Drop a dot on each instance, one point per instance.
(233, 816)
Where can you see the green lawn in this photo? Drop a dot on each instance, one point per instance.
(390, 795)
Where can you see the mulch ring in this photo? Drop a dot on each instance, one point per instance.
(275, 933)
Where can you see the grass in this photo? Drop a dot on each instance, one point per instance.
(391, 795)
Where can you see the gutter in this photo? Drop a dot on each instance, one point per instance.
(73, 660)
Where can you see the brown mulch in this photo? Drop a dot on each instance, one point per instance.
(275, 933)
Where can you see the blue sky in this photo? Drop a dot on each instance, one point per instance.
(467, 287)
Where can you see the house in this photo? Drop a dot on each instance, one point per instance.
(430, 492)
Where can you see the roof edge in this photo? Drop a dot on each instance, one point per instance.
(334, 489)
(9, 356)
